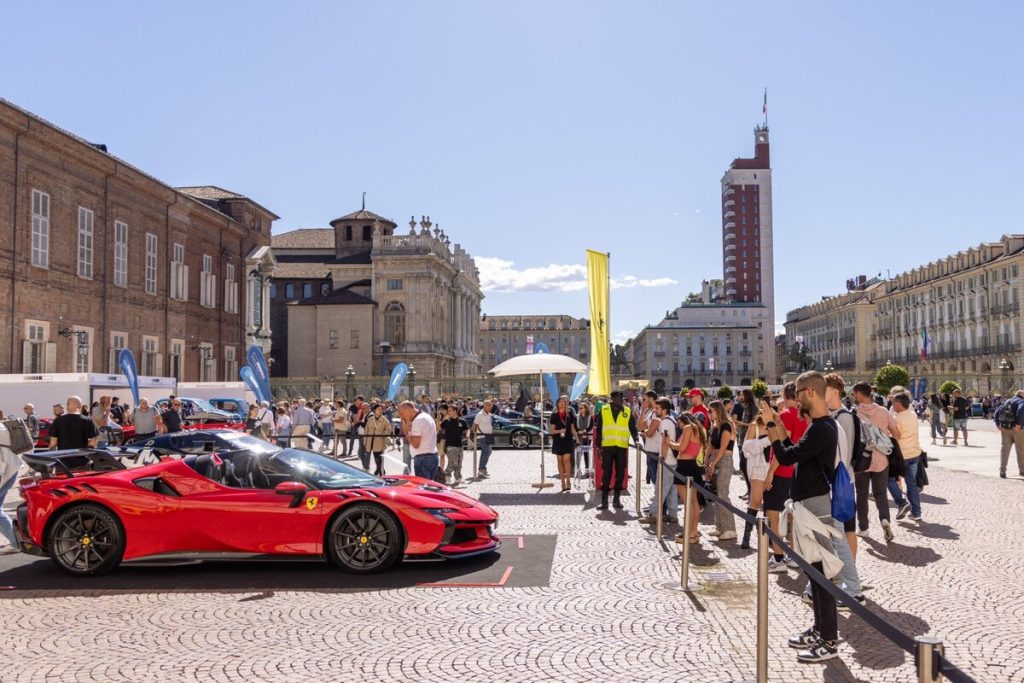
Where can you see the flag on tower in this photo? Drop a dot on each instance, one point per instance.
(924, 344)
(764, 109)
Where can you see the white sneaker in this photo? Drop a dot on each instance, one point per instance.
(887, 531)
(9, 550)
(728, 536)
(716, 532)
(863, 533)
(791, 563)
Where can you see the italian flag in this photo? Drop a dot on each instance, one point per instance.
(924, 344)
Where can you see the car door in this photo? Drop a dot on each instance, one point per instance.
(251, 520)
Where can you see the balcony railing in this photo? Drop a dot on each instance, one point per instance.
(728, 203)
(729, 214)
(729, 225)
(1010, 308)
(730, 236)
(730, 247)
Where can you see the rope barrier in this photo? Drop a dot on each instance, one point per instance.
(941, 665)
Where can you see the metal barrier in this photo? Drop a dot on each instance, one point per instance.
(928, 651)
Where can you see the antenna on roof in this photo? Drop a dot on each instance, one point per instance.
(364, 201)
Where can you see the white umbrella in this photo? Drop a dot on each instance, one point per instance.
(538, 363)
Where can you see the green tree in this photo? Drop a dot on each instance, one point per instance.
(890, 376)
(725, 392)
(759, 387)
(948, 386)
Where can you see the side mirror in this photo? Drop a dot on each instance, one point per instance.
(296, 490)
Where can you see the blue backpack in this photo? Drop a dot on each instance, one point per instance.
(844, 503)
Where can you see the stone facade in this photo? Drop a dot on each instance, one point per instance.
(703, 345)
(967, 303)
(505, 336)
(424, 291)
(96, 255)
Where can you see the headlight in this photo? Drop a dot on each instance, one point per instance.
(441, 513)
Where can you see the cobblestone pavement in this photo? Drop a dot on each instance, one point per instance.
(605, 615)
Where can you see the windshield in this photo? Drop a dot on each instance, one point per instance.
(203, 405)
(245, 441)
(320, 472)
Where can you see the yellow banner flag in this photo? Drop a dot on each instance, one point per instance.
(597, 283)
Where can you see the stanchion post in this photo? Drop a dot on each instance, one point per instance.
(659, 497)
(637, 480)
(927, 648)
(476, 474)
(762, 601)
(684, 574)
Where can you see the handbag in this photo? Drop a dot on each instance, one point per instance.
(897, 465)
(922, 471)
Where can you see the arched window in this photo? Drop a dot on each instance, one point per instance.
(394, 325)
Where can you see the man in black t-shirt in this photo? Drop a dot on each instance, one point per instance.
(72, 429)
(961, 411)
(453, 428)
(170, 419)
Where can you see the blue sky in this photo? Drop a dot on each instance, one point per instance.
(533, 130)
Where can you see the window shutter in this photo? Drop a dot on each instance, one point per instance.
(184, 281)
(158, 371)
(50, 364)
(174, 280)
(26, 357)
(112, 368)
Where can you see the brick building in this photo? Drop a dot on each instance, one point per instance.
(96, 255)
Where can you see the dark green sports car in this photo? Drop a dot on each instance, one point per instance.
(508, 434)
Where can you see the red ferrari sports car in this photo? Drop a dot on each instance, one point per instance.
(89, 513)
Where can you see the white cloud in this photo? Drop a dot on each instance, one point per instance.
(623, 336)
(501, 275)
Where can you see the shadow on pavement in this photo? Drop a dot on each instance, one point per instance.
(871, 649)
(912, 556)
(531, 567)
(933, 500)
(931, 530)
(539, 497)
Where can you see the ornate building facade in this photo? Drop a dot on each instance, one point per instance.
(506, 336)
(955, 318)
(360, 294)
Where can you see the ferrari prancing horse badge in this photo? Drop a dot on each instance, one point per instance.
(311, 503)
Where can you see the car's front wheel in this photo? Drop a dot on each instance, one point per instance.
(86, 540)
(364, 539)
(520, 439)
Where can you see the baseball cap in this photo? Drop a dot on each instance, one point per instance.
(695, 392)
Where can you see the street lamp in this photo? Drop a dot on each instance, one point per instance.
(82, 347)
(888, 362)
(828, 365)
(350, 374)
(1004, 368)
(412, 380)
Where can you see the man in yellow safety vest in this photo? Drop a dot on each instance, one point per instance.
(615, 426)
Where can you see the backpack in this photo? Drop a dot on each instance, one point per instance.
(860, 458)
(873, 438)
(844, 503)
(1007, 415)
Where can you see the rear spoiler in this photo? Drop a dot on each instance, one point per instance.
(72, 462)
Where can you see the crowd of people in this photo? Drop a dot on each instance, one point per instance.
(789, 447)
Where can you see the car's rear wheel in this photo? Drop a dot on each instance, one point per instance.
(364, 539)
(520, 439)
(86, 540)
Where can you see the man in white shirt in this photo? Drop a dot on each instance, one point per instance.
(421, 432)
(483, 424)
(660, 431)
(326, 415)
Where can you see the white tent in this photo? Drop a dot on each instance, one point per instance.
(538, 364)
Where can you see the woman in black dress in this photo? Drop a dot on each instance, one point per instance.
(563, 439)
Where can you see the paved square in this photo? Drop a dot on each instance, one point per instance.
(604, 615)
